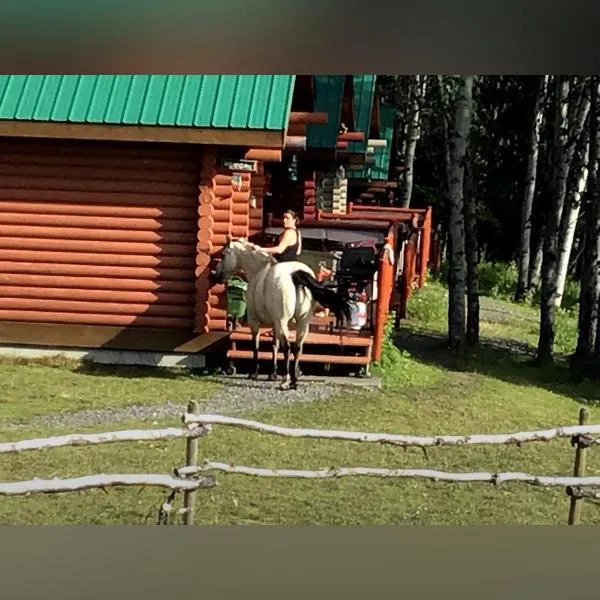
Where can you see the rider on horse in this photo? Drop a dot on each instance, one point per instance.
(289, 244)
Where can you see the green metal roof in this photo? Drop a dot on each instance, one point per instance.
(381, 168)
(220, 101)
(364, 92)
(329, 90)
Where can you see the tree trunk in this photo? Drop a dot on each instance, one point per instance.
(418, 85)
(589, 297)
(535, 266)
(568, 225)
(570, 214)
(524, 253)
(444, 113)
(456, 230)
(444, 118)
(560, 172)
(472, 258)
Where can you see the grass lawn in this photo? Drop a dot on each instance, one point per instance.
(32, 388)
(425, 392)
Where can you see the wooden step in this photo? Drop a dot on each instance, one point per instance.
(320, 358)
(244, 335)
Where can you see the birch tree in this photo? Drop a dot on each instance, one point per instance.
(589, 297)
(578, 116)
(530, 182)
(472, 254)
(456, 229)
(543, 186)
(560, 170)
(418, 88)
(568, 224)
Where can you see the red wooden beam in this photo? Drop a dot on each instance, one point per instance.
(306, 118)
(351, 136)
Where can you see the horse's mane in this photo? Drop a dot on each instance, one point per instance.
(255, 252)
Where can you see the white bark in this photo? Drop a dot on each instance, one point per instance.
(475, 477)
(570, 217)
(535, 267)
(108, 437)
(419, 86)
(590, 268)
(530, 182)
(75, 484)
(472, 254)
(560, 171)
(458, 270)
(521, 437)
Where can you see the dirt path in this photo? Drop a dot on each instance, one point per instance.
(235, 396)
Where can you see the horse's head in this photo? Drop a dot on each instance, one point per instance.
(233, 259)
(228, 264)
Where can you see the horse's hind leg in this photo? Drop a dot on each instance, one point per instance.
(255, 344)
(287, 383)
(302, 327)
(283, 335)
(273, 374)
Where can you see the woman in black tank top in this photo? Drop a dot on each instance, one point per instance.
(289, 244)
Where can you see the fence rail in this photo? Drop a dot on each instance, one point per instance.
(107, 437)
(431, 474)
(193, 476)
(87, 482)
(519, 437)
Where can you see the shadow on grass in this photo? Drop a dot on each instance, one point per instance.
(135, 371)
(504, 359)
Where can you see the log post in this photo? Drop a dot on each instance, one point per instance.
(581, 444)
(385, 286)
(425, 249)
(191, 460)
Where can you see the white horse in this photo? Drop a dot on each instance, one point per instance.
(278, 293)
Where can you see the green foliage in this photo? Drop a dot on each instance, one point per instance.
(496, 279)
(499, 280)
(397, 367)
(570, 299)
(565, 331)
(429, 305)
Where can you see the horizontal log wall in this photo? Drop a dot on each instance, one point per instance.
(98, 233)
(259, 186)
(224, 211)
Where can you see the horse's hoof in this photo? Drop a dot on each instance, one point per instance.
(273, 377)
(253, 376)
(286, 385)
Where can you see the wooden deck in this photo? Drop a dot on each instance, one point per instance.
(324, 344)
(243, 334)
(306, 357)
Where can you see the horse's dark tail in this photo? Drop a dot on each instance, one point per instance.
(337, 303)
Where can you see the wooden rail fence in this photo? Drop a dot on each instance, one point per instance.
(192, 476)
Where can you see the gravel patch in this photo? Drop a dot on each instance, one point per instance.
(234, 397)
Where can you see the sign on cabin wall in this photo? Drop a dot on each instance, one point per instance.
(247, 166)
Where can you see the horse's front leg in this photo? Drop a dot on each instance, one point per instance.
(273, 374)
(255, 344)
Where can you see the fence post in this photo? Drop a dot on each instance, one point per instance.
(579, 467)
(191, 460)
